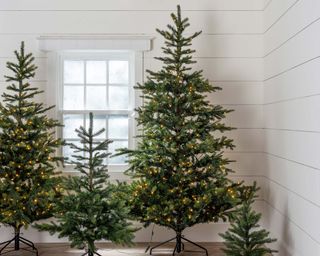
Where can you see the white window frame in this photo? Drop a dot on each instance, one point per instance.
(87, 56)
(59, 47)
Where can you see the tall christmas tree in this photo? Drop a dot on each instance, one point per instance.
(179, 169)
(28, 182)
(244, 238)
(92, 209)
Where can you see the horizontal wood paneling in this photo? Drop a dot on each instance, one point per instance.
(235, 69)
(301, 212)
(252, 163)
(144, 22)
(232, 93)
(300, 82)
(213, 69)
(9, 43)
(274, 12)
(132, 5)
(297, 178)
(219, 46)
(292, 138)
(237, 93)
(294, 241)
(302, 147)
(302, 14)
(248, 140)
(250, 116)
(298, 114)
(216, 46)
(302, 48)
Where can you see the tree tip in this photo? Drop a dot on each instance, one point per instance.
(22, 46)
(179, 11)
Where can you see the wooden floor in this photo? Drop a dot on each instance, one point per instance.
(109, 250)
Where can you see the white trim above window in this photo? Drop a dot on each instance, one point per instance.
(95, 42)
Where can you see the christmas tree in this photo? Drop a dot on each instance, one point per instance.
(179, 171)
(244, 238)
(92, 209)
(28, 182)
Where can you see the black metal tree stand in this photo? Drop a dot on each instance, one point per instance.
(17, 239)
(179, 247)
(91, 254)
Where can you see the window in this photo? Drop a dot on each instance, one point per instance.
(96, 73)
(101, 83)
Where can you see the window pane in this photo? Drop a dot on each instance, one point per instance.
(99, 122)
(118, 72)
(96, 72)
(68, 151)
(73, 97)
(118, 127)
(73, 72)
(71, 122)
(96, 97)
(112, 149)
(118, 97)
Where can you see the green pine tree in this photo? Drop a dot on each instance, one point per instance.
(28, 182)
(179, 169)
(244, 238)
(92, 208)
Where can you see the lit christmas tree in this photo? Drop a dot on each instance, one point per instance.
(179, 171)
(28, 182)
(244, 238)
(93, 208)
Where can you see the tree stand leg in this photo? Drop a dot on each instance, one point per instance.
(91, 254)
(197, 245)
(154, 247)
(179, 247)
(17, 239)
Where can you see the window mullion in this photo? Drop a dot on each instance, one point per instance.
(85, 93)
(107, 84)
(108, 106)
(107, 135)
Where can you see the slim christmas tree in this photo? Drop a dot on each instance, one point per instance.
(28, 183)
(92, 209)
(244, 238)
(179, 169)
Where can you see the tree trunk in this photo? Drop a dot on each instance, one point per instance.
(179, 243)
(17, 238)
(91, 248)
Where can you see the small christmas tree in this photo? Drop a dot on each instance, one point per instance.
(92, 209)
(28, 182)
(244, 238)
(179, 169)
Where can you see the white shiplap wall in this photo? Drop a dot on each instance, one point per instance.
(292, 124)
(229, 51)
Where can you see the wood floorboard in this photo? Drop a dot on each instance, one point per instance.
(111, 250)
